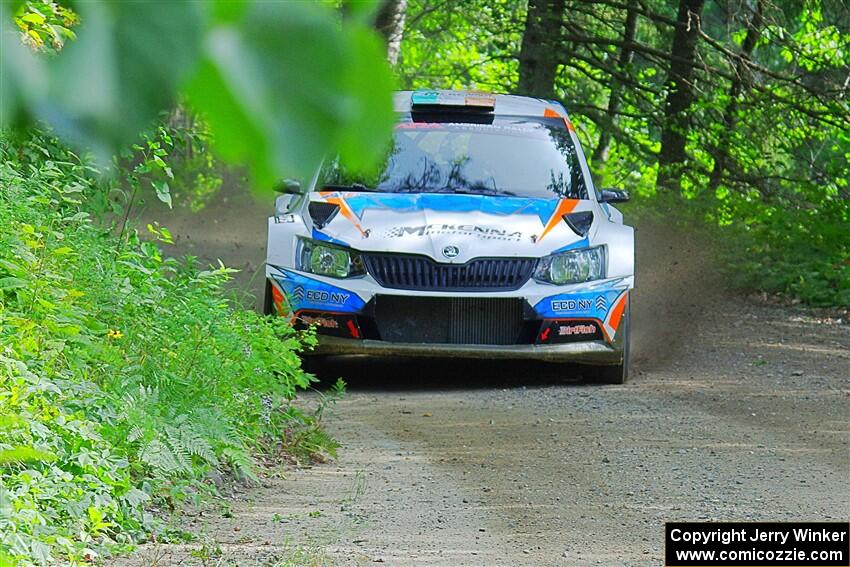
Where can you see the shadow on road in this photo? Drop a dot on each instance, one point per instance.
(403, 374)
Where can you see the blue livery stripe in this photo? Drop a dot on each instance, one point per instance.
(321, 236)
(583, 243)
(411, 202)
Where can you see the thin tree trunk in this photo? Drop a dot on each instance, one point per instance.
(390, 23)
(538, 55)
(615, 97)
(672, 159)
(739, 84)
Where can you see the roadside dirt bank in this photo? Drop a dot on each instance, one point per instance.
(737, 411)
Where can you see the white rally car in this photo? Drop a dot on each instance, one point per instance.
(481, 235)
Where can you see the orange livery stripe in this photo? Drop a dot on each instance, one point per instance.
(564, 207)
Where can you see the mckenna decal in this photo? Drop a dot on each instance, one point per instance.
(483, 232)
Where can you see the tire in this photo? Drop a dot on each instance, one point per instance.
(618, 373)
(268, 307)
(314, 364)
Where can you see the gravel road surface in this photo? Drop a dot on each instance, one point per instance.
(737, 410)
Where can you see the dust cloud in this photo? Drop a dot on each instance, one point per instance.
(677, 283)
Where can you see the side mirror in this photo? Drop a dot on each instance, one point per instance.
(289, 187)
(614, 196)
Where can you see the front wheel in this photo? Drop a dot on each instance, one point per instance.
(268, 305)
(618, 373)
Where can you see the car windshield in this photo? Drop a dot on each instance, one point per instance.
(521, 157)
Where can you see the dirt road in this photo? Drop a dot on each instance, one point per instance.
(737, 411)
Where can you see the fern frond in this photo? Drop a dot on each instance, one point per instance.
(241, 462)
(196, 445)
(159, 456)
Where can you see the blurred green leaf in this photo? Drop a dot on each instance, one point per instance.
(369, 84)
(361, 11)
(282, 84)
(126, 66)
(288, 85)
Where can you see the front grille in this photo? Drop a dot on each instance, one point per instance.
(450, 320)
(407, 271)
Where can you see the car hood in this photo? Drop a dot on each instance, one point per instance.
(449, 227)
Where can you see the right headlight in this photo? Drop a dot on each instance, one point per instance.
(575, 266)
(328, 260)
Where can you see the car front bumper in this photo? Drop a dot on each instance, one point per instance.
(589, 352)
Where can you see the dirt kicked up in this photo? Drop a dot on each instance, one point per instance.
(736, 411)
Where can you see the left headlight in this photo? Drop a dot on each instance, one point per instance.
(575, 266)
(326, 260)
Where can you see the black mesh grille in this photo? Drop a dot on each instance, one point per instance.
(450, 320)
(407, 271)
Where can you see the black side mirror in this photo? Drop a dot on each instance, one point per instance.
(289, 187)
(614, 196)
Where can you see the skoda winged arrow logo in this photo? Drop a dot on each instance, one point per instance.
(298, 294)
(451, 251)
(601, 303)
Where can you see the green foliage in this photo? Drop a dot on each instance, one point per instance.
(125, 377)
(797, 250)
(45, 25)
(197, 174)
(281, 84)
(463, 45)
(768, 161)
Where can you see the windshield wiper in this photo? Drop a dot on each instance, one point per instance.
(358, 187)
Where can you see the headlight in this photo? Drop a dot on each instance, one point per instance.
(575, 266)
(326, 260)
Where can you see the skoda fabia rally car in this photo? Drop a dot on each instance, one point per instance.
(481, 236)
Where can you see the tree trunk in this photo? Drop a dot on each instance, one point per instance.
(390, 24)
(672, 159)
(538, 55)
(739, 84)
(600, 154)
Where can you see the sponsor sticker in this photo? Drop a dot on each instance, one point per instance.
(483, 232)
(572, 305)
(328, 297)
(568, 330)
(324, 322)
(306, 292)
(565, 331)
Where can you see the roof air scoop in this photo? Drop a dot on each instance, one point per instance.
(469, 101)
(579, 222)
(322, 213)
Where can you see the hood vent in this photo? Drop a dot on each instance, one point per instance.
(580, 222)
(322, 213)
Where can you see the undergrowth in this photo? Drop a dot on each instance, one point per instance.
(782, 248)
(125, 376)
